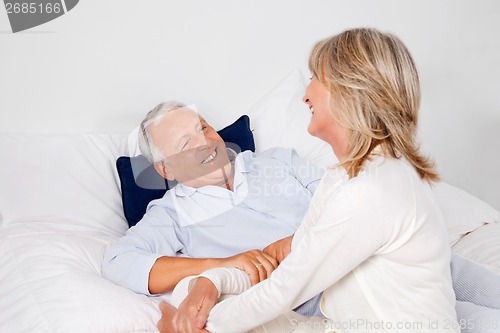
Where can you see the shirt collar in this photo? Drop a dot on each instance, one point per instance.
(240, 165)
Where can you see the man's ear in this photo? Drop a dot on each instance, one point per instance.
(163, 169)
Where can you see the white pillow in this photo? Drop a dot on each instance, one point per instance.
(482, 246)
(61, 208)
(462, 211)
(280, 119)
(70, 176)
(133, 143)
(51, 282)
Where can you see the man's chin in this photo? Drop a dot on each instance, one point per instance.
(214, 175)
(219, 171)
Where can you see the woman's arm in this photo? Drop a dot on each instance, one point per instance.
(193, 311)
(196, 296)
(342, 238)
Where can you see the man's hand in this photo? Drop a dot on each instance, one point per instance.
(257, 264)
(168, 271)
(280, 249)
(193, 312)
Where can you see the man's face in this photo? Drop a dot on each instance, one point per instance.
(196, 154)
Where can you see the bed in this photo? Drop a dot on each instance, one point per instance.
(62, 205)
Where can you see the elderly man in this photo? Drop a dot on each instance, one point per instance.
(225, 211)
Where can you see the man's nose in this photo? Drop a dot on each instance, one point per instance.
(305, 99)
(203, 141)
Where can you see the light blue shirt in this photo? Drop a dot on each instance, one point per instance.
(271, 195)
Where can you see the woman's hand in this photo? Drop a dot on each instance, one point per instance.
(168, 312)
(257, 264)
(280, 249)
(193, 312)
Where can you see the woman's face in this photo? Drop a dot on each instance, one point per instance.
(322, 124)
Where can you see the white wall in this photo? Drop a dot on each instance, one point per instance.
(100, 67)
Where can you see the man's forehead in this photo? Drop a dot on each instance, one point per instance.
(179, 118)
(176, 124)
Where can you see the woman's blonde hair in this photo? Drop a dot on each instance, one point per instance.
(375, 94)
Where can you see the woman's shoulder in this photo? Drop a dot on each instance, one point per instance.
(382, 178)
(388, 169)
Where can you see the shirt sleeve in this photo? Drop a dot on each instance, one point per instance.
(341, 239)
(129, 261)
(307, 173)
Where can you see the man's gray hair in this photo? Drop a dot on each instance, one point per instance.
(146, 145)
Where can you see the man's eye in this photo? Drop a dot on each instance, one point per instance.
(204, 127)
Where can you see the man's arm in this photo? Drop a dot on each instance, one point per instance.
(168, 271)
(145, 260)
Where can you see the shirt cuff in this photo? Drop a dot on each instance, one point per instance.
(139, 273)
(216, 281)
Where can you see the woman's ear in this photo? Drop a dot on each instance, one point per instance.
(164, 171)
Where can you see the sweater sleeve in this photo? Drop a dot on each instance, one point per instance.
(343, 236)
(228, 281)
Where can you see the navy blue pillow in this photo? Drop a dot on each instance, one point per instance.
(140, 183)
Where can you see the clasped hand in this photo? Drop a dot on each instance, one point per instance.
(192, 314)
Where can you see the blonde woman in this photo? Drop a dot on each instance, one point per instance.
(373, 239)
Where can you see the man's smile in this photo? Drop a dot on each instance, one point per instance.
(210, 157)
